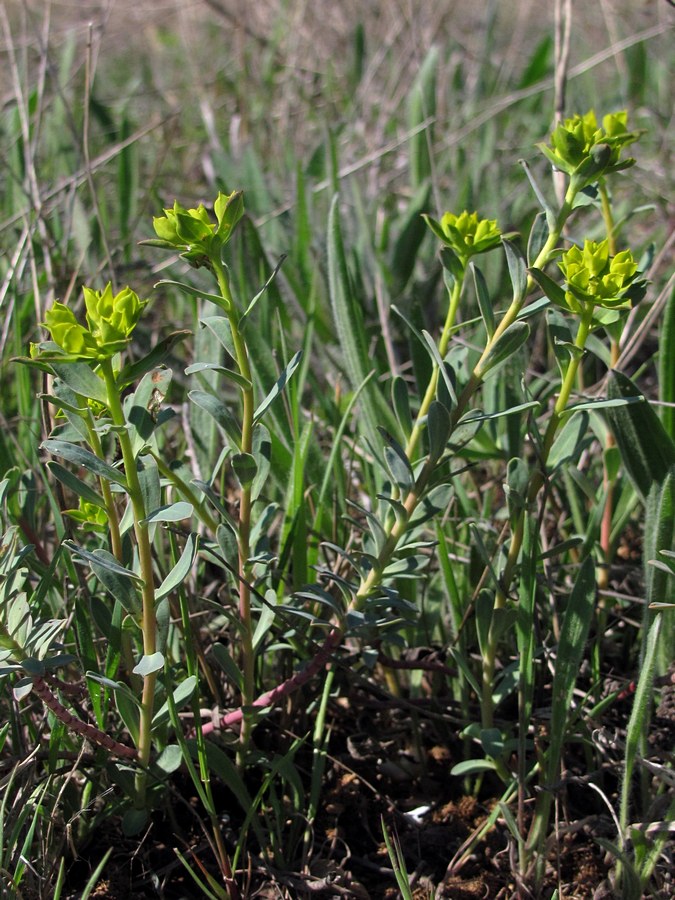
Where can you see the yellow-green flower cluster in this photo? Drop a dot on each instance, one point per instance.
(191, 231)
(466, 234)
(593, 277)
(110, 321)
(586, 151)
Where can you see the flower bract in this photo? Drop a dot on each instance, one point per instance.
(193, 234)
(586, 150)
(111, 318)
(466, 234)
(592, 276)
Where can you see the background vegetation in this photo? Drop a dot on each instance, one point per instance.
(109, 113)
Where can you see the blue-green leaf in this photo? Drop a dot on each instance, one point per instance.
(230, 374)
(103, 560)
(181, 570)
(484, 302)
(438, 428)
(397, 461)
(148, 664)
(217, 411)
(181, 695)
(279, 385)
(173, 512)
(647, 451)
(82, 380)
(517, 270)
(75, 484)
(79, 456)
(505, 346)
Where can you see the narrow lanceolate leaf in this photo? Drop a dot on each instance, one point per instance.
(397, 462)
(85, 459)
(120, 586)
(647, 451)
(230, 374)
(484, 302)
(181, 570)
(75, 484)
(537, 239)
(181, 695)
(254, 301)
(132, 373)
(346, 311)
(421, 104)
(149, 664)
(280, 384)
(573, 636)
(571, 647)
(401, 404)
(549, 212)
(505, 346)
(475, 415)
(193, 291)
(572, 438)
(80, 379)
(218, 411)
(405, 250)
(432, 504)
(660, 536)
(173, 512)
(443, 369)
(103, 559)
(550, 287)
(517, 270)
(576, 624)
(245, 468)
(438, 428)
(603, 403)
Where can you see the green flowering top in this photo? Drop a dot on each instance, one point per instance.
(110, 322)
(593, 277)
(193, 234)
(586, 151)
(466, 234)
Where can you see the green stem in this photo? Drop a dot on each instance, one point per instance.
(608, 482)
(108, 499)
(193, 659)
(396, 530)
(444, 340)
(148, 617)
(244, 529)
(514, 309)
(608, 217)
(535, 485)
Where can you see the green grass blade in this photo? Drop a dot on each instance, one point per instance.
(96, 874)
(647, 451)
(635, 733)
(667, 367)
(351, 331)
(571, 648)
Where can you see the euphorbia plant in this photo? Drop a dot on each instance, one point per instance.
(201, 242)
(414, 462)
(598, 289)
(111, 320)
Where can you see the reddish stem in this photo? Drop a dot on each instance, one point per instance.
(90, 732)
(287, 687)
